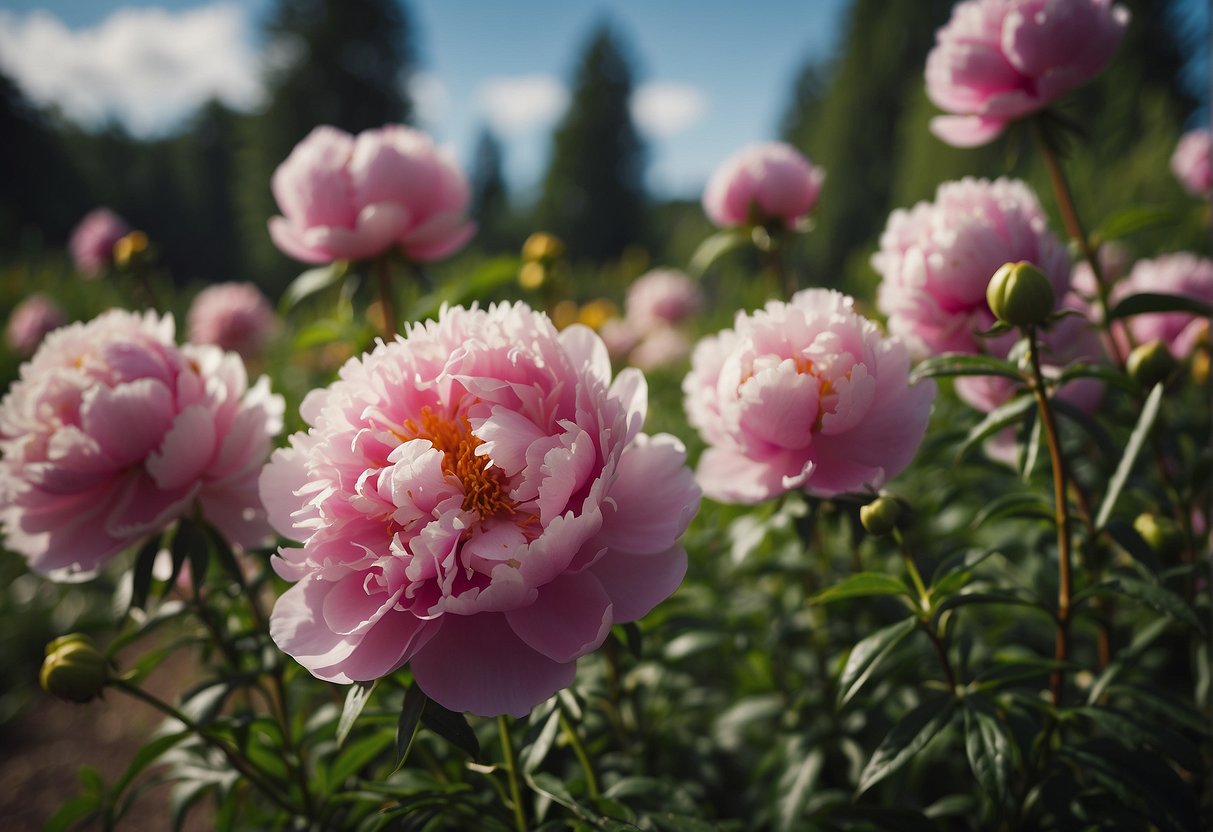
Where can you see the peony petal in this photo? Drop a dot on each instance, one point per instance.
(966, 131)
(384, 648)
(186, 451)
(637, 583)
(570, 618)
(654, 496)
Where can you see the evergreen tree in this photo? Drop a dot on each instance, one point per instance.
(593, 194)
(490, 201)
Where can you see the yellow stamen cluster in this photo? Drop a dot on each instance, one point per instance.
(484, 487)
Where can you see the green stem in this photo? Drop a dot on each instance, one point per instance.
(233, 756)
(1061, 511)
(507, 750)
(1069, 216)
(387, 302)
(941, 650)
(591, 782)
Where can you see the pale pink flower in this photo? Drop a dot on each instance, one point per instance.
(803, 395)
(232, 316)
(1182, 274)
(30, 322)
(660, 347)
(937, 258)
(92, 241)
(1190, 162)
(996, 61)
(352, 198)
(763, 184)
(620, 336)
(662, 297)
(475, 499)
(112, 431)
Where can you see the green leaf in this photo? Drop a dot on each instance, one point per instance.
(989, 748)
(355, 700)
(1148, 302)
(1154, 596)
(310, 282)
(539, 749)
(1015, 504)
(552, 787)
(633, 638)
(1132, 542)
(861, 585)
(1003, 416)
(319, 333)
(1133, 220)
(714, 247)
(412, 712)
(867, 655)
(1140, 782)
(142, 573)
(81, 808)
(145, 756)
(355, 756)
(1137, 439)
(1090, 426)
(964, 364)
(993, 596)
(452, 727)
(803, 778)
(1099, 372)
(1145, 734)
(909, 736)
(191, 543)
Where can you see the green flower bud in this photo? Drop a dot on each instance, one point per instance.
(73, 669)
(1161, 533)
(880, 516)
(1019, 294)
(1150, 363)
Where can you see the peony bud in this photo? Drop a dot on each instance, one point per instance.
(1162, 533)
(1019, 294)
(74, 669)
(880, 516)
(1148, 364)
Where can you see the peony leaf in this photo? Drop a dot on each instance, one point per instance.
(1142, 783)
(1147, 302)
(412, 713)
(863, 584)
(963, 364)
(1004, 416)
(804, 777)
(355, 700)
(867, 655)
(714, 247)
(1133, 220)
(451, 726)
(310, 282)
(989, 748)
(1155, 596)
(141, 576)
(909, 736)
(1149, 412)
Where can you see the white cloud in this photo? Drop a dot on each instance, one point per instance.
(522, 103)
(430, 97)
(145, 67)
(663, 109)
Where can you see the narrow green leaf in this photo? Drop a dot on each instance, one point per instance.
(73, 813)
(412, 712)
(909, 736)
(714, 247)
(539, 749)
(145, 756)
(633, 638)
(354, 757)
(1089, 425)
(310, 282)
(963, 364)
(356, 698)
(1137, 439)
(1031, 452)
(142, 574)
(451, 726)
(1133, 220)
(803, 778)
(1140, 782)
(1004, 416)
(1148, 302)
(1145, 734)
(1099, 372)
(1132, 542)
(867, 655)
(863, 584)
(993, 596)
(989, 748)
(1154, 596)
(1015, 504)
(554, 788)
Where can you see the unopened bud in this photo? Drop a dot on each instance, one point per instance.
(1148, 364)
(1162, 533)
(542, 247)
(880, 516)
(73, 669)
(1019, 294)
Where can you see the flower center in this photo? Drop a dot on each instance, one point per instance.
(484, 486)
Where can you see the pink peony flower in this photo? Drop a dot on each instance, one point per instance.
(996, 61)
(763, 184)
(660, 347)
(1170, 274)
(806, 394)
(112, 431)
(620, 337)
(475, 499)
(662, 297)
(352, 198)
(92, 241)
(1190, 163)
(937, 258)
(232, 316)
(30, 322)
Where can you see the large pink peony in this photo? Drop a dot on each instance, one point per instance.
(31, 321)
(92, 241)
(351, 198)
(112, 431)
(996, 61)
(806, 394)
(763, 184)
(1182, 274)
(232, 316)
(475, 499)
(1190, 162)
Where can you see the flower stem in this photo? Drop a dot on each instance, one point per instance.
(507, 750)
(387, 303)
(591, 782)
(925, 621)
(1062, 514)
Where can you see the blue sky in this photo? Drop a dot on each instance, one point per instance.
(712, 75)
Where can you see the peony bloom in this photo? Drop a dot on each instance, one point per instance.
(662, 297)
(660, 347)
(1190, 163)
(475, 499)
(232, 316)
(30, 322)
(112, 431)
(1170, 274)
(763, 184)
(806, 394)
(352, 198)
(92, 241)
(996, 61)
